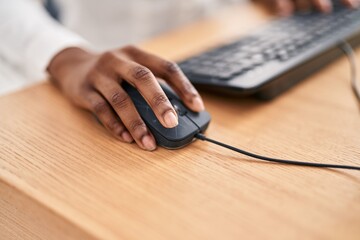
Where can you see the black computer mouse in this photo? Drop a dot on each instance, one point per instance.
(190, 123)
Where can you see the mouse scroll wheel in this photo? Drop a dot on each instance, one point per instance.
(178, 108)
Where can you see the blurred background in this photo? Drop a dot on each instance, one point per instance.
(107, 24)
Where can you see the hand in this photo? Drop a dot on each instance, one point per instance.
(287, 7)
(93, 82)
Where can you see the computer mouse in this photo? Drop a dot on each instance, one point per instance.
(190, 123)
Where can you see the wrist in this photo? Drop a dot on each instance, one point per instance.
(67, 58)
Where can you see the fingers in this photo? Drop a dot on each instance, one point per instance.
(284, 7)
(326, 5)
(146, 83)
(170, 72)
(303, 5)
(101, 109)
(352, 3)
(323, 5)
(125, 109)
(287, 7)
(115, 109)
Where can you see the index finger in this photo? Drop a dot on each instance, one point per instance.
(323, 5)
(172, 74)
(148, 86)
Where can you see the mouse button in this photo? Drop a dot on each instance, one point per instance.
(183, 130)
(179, 107)
(200, 119)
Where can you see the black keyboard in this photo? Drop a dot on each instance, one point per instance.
(280, 54)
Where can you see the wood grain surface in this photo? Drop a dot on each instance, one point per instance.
(63, 177)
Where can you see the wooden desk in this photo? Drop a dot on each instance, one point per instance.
(63, 177)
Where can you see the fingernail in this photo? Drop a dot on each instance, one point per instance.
(127, 137)
(170, 119)
(198, 104)
(148, 143)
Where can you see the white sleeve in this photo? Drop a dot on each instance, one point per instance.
(30, 38)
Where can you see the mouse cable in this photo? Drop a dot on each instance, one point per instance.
(268, 159)
(350, 53)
